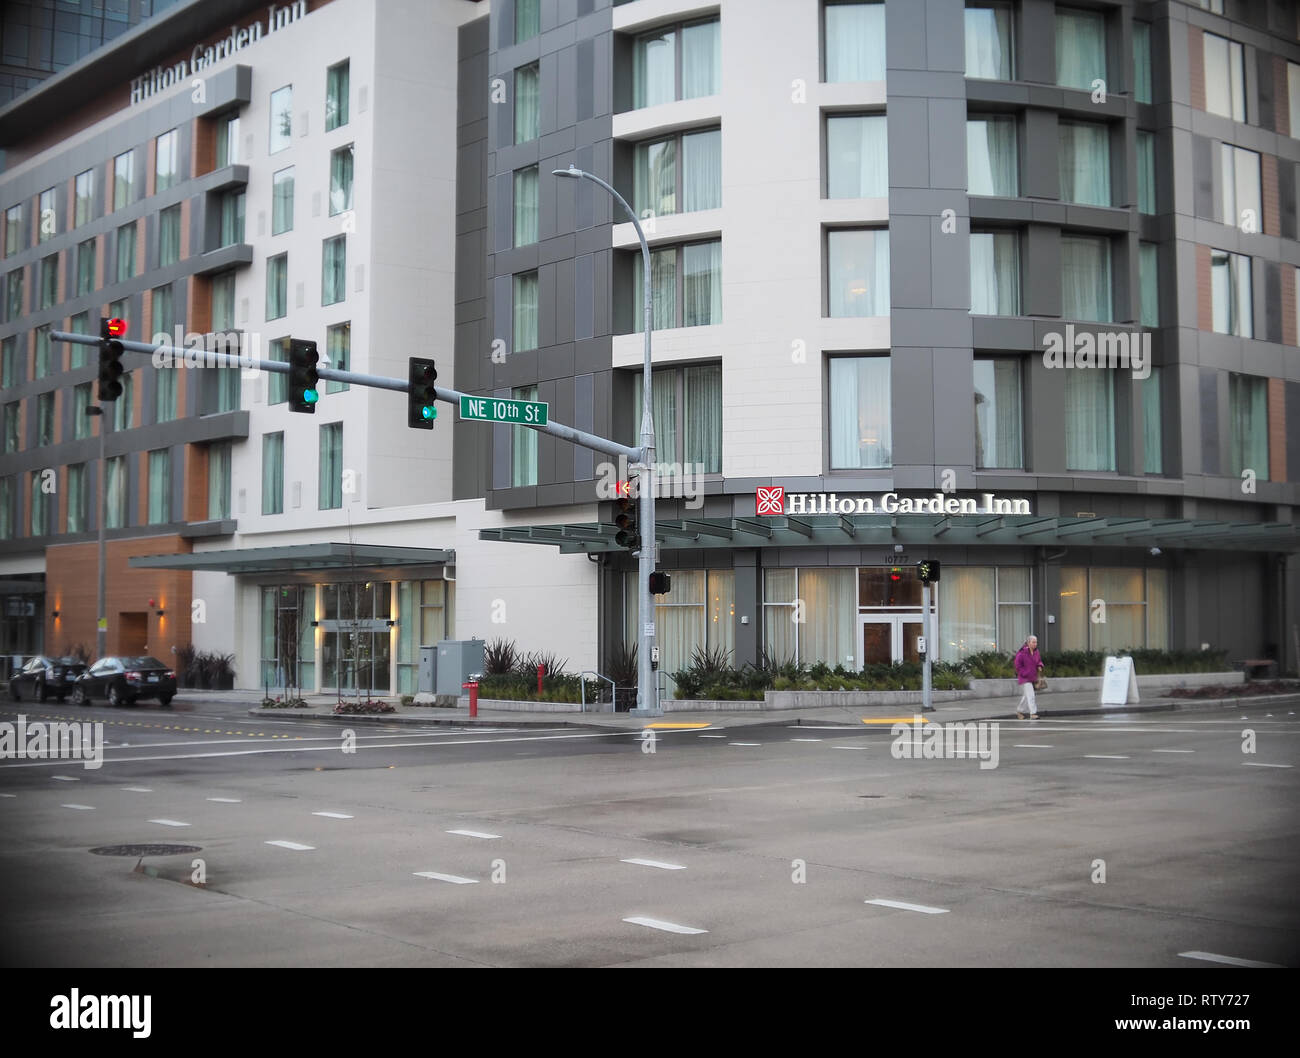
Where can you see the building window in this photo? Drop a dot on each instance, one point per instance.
(115, 482)
(526, 206)
(523, 449)
(658, 177)
(273, 473)
(14, 294)
(694, 302)
(42, 507)
(855, 41)
(124, 179)
(677, 62)
(331, 466)
(341, 180)
(858, 272)
(126, 243)
(1248, 411)
(227, 140)
(124, 406)
(277, 286)
(13, 230)
(995, 273)
(527, 103)
(50, 281)
(1089, 420)
(167, 161)
(44, 353)
(338, 349)
(219, 481)
(1213, 6)
(984, 608)
(1085, 163)
(277, 391)
(1152, 432)
(1080, 48)
(13, 427)
(84, 209)
(1240, 199)
(223, 302)
(1085, 278)
(169, 236)
(999, 423)
(992, 156)
(1231, 293)
(687, 410)
(990, 54)
(79, 355)
(282, 201)
(525, 312)
(160, 486)
(232, 217)
(6, 508)
(165, 395)
(528, 20)
(82, 398)
(857, 156)
(45, 419)
(700, 612)
(1137, 609)
(164, 316)
(336, 96)
(823, 632)
(1293, 95)
(85, 267)
(1225, 78)
(281, 118)
(860, 421)
(49, 217)
(78, 498)
(1142, 62)
(1146, 159)
(12, 368)
(1149, 282)
(426, 614)
(334, 260)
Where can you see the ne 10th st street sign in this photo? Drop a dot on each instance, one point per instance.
(496, 409)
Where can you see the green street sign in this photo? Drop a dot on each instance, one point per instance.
(498, 409)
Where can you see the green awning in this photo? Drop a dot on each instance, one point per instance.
(830, 530)
(300, 558)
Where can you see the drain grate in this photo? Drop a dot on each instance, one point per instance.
(146, 850)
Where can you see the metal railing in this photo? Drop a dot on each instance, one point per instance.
(582, 683)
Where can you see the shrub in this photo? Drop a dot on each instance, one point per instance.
(284, 703)
(500, 657)
(408, 699)
(369, 707)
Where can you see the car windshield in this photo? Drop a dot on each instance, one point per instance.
(143, 663)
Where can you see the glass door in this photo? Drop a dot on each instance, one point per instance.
(885, 639)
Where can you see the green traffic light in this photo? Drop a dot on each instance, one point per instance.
(429, 412)
(310, 396)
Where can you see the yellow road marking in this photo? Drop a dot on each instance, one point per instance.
(895, 720)
(676, 726)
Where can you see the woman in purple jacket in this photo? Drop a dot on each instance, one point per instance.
(1028, 666)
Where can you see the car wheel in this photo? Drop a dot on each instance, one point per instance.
(115, 698)
(165, 700)
(79, 696)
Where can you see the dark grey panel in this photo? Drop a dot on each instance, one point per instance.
(1293, 431)
(1210, 422)
(1204, 166)
(584, 297)
(1272, 294)
(584, 459)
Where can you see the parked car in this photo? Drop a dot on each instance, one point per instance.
(43, 677)
(124, 680)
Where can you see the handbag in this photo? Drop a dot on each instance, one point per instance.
(1040, 684)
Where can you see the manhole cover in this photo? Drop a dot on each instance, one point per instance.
(146, 850)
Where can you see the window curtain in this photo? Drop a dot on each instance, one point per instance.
(86, 267)
(857, 150)
(702, 284)
(720, 611)
(341, 180)
(1157, 637)
(860, 412)
(966, 612)
(655, 178)
(702, 170)
(42, 351)
(307, 639)
(654, 69)
(1248, 399)
(830, 607)
(1146, 152)
(39, 508)
(277, 289)
(859, 272)
(1152, 434)
(992, 157)
(1149, 282)
(116, 481)
(525, 312)
(527, 103)
(335, 268)
(219, 481)
(524, 445)
(227, 142)
(1142, 62)
(780, 587)
(163, 315)
(1014, 608)
(1089, 420)
(277, 386)
(998, 411)
(702, 425)
(124, 405)
(1246, 188)
(336, 96)
(273, 473)
(988, 43)
(526, 206)
(331, 466)
(995, 273)
(528, 20)
(1243, 310)
(1224, 77)
(282, 202)
(77, 498)
(160, 481)
(123, 179)
(1074, 608)
(701, 60)
(1085, 163)
(223, 302)
(663, 410)
(1085, 278)
(338, 346)
(663, 272)
(679, 621)
(81, 421)
(1080, 48)
(855, 42)
(165, 395)
(169, 236)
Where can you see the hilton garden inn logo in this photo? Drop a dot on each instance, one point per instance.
(919, 740)
(53, 741)
(76, 1011)
(774, 500)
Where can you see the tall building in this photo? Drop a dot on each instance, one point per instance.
(887, 254)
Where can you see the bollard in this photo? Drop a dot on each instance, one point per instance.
(541, 671)
(472, 687)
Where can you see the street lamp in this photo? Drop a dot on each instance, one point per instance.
(647, 690)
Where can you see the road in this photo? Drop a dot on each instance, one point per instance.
(1110, 841)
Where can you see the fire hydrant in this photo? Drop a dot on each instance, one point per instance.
(472, 687)
(541, 671)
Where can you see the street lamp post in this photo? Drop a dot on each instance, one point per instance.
(647, 689)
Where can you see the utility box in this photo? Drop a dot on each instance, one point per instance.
(457, 660)
(426, 677)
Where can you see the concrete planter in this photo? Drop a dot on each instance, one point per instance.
(1146, 684)
(510, 705)
(776, 700)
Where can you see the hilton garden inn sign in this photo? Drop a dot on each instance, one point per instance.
(776, 501)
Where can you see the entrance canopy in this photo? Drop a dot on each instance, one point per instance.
(830, 530)
(299, 558)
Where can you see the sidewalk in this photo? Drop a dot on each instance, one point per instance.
(1051, 706)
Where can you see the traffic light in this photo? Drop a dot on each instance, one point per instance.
(421, 406)
(927, 570)
(303, 377)
(660, 583)
(629, 533)
(110, 357)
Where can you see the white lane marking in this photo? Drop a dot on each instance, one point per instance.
(656, 863)
(453, 878)
(922, 908)
(81, 808)
(805, 740)
(819, 727)
(1254, 764)
(1032, 745)
(169, 822)
(226, 800)
(744, 743)
(850, 747)
(65, 778)
(475, 834)
(1230, 960)
(292, 845)
(137, 789)
(8, 795)
(1173, 751)
(1103, 756)
(713, 736)
(333, 815)
(667, 927)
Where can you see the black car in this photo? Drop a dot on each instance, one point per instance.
(123, 680)
(44, 677)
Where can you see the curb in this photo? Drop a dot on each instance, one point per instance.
(1190, 705)
(397, 718)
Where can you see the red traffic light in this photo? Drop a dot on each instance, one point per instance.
(117, 328)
